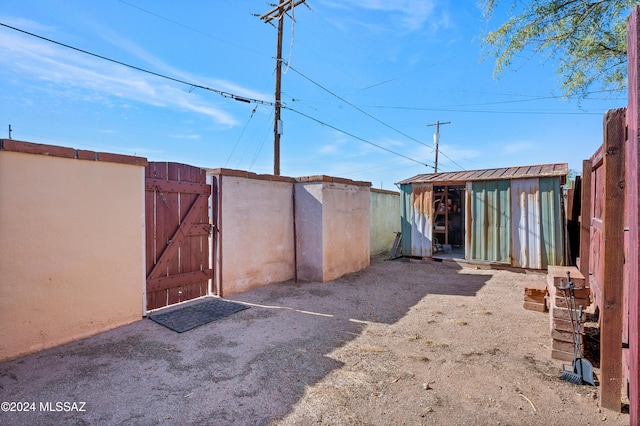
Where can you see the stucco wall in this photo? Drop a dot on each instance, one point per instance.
(341, 243)
(346, 236)
(385, 220)
(255, 243)
(71, 245)
(310, 252)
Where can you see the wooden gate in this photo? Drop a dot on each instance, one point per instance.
(177, 233)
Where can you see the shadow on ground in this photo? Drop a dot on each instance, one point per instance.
(248, 368)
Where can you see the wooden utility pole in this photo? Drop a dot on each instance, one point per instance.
(277, 13)
(436, 140)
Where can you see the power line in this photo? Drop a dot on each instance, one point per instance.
(241, 134)
(357, 108)
(195, 85)
(356, 137)
(195, 30)
(192, 85)
(448, 109)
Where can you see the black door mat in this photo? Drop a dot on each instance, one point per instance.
(192, 316)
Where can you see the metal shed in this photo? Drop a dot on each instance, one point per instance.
(511, 215)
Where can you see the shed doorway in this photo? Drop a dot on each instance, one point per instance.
(449, 218)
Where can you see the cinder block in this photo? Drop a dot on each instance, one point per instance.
(583, 293)
(561, 302)
(564, 314)
(557, 276)
(535, 294)
(561, 325)
(534, 306)
(562, 346)
(563, 336)
(561, 355)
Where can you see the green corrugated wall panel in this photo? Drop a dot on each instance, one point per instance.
(491, 221)
(551, 222)
(405, 218)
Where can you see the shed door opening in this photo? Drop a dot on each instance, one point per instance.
(448, 221)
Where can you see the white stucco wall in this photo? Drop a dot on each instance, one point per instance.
(71, 248)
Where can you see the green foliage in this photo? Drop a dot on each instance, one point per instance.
(588, 38)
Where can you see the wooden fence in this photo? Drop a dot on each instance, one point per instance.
(609, 238)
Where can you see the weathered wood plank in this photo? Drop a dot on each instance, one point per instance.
(174, 186)
(585, 219)
(174, 281)
(164, 265)
(612, 261)
(632, 219)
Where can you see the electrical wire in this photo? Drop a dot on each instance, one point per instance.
(191, 85)
(195, 85)
(357, 108)
(354, 136)
(373, 117)
(195, 30)
(447, 109)
(241, 134)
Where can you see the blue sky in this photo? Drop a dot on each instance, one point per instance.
(363, 74)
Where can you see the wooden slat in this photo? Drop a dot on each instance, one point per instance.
(150, 223)
(631, 336)
(166, 260)
(585, 218)
(169, 265)
(632, 216)
(613, 261)
(175, 281)
(175, 186)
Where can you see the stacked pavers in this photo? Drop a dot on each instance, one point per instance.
(535, 297)
(562, 345)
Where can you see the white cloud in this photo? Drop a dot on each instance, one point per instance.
(413, 13)
(74, 74)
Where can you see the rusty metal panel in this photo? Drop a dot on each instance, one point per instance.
(490, 226)
(405, 218)
(421, 219)
(551, 222)
(543, 170)
(467, 218)
(526, 245)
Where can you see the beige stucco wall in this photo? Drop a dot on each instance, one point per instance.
(346, 237)
(256, 240)
(385, 220)
(309, 233)
(332, 222)
(71, 249)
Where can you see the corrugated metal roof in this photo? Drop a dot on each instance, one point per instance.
(519, 172)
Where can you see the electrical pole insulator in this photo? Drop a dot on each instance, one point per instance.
(436, 140)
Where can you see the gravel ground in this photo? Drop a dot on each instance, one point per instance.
(398, 343)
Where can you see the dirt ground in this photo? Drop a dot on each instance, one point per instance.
(399, 343)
